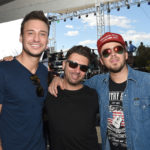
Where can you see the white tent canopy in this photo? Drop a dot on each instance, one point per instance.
(16, 9)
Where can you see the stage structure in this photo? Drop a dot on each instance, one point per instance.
(97, 9)
(64, 9)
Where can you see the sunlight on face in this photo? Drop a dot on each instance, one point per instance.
(35, 37)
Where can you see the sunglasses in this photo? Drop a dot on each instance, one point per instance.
(116, 49)
(36, 81)
(74, 65)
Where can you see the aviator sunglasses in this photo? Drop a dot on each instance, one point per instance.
(117, 49)
(74, 65)
(36, 81)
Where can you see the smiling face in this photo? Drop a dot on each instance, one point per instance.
(74, 76)
(115, 62)
(34, 38)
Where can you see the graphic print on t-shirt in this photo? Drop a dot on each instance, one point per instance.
(116, 124)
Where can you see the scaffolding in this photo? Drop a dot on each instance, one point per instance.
(100, 7)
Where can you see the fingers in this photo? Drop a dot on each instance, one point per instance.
(57, 81)
(8, 58)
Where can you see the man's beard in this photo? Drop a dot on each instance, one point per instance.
(31, 54)
(73, 83)
(118, 69)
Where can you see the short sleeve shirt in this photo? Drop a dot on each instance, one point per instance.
(21, 115)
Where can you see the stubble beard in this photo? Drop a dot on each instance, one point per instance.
(31, 54)
(117, 70)
(72, 83)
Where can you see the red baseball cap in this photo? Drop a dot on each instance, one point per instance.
(110, 37)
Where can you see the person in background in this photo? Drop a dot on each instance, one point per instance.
(141, 49)
(72, 115)
(126, 44)
(124, 97)
(61, 55)
(24, 88)
(132, 48)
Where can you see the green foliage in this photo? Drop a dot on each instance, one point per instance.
(142, 60)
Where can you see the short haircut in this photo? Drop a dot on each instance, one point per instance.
(81, 50)
(35, 15)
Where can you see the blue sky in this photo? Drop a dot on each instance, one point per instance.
(133, 24)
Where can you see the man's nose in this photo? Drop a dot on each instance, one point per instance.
(36, 37)
(113, 53)
(77, 69)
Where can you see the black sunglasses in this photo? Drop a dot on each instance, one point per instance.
(117, 49)
(36, 81)
(72, 64)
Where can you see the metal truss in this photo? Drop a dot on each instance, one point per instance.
(98, 11)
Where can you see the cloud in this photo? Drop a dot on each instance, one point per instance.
(69, 26)
(135, 36)
(87, 42)
(72, 33)
(90, 20)
(119, 21)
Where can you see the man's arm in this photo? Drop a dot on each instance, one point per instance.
(57, 81)
(0, 138)
(0, 108)
(0, 145)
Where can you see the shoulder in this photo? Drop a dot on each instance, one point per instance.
(52, 100)
(43, 67)
(90, 91)
(139, 76)
(143, 75)
(96, 80)
(50, 97)
(42, 71)
(6, 65)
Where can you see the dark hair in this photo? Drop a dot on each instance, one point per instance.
(38, 15)
(81, 50)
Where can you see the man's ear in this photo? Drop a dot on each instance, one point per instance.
(20, 38)
(63, 64)
(126, 55)
(101, 61)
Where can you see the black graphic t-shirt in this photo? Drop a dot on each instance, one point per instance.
(116, 125)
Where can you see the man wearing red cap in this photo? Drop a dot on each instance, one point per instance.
(124, 98)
